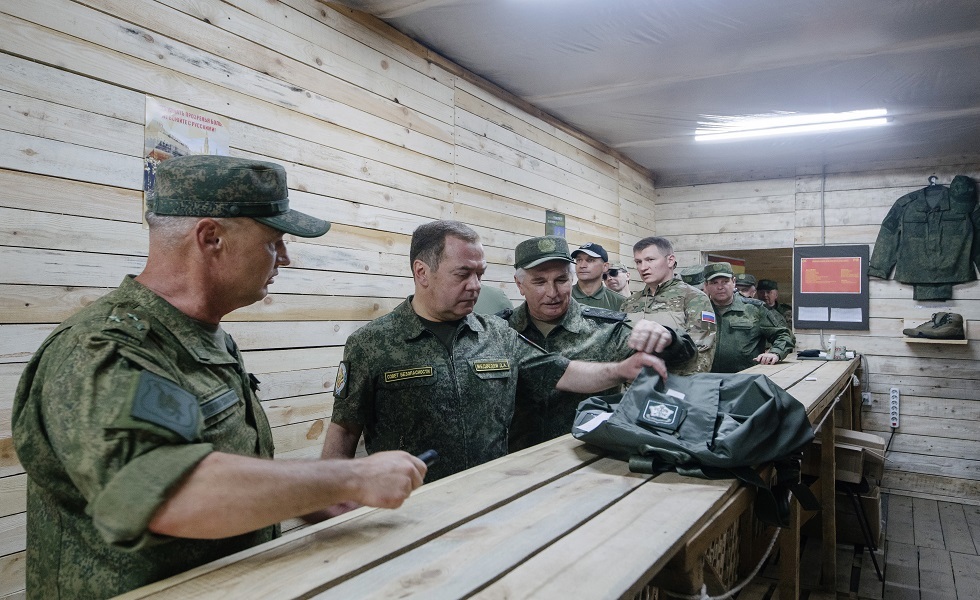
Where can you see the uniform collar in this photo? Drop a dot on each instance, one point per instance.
(412, 322)
(923, 201)
(649, 291)
(573, 320)
(737, 305)
(188, 332)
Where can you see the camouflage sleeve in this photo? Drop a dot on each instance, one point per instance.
(885, 253)
(124, 467)
(354, 387)
(700, 317)
(681, 350)
(538, 371)
(780, 338)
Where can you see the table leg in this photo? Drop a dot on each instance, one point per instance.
(828, 501)
(789, 554)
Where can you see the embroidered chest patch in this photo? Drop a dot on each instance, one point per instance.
(413, 373)
(487, 366)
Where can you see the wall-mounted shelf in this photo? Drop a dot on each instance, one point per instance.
(913, 323)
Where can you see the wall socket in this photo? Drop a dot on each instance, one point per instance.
(866, 398)
(893, 407)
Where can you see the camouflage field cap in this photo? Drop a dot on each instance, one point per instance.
(620, 266)
(745, 279)
(767, 284)
(693, 275)
(718, 269)
(225, 186)
(537, 250)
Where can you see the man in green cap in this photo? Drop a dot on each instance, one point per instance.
(140, 430)
(432, 374)
(671, 302)
(745, 284)
(745, 325)
(552, 319)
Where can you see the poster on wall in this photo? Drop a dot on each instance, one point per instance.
(738, 264)
(177, 130)
(554, 223)
(830, 287)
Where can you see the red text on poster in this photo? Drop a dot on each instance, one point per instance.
(831, 275)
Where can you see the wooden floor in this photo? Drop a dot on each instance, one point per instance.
(931, 552)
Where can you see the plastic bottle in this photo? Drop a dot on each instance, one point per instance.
(831, 346)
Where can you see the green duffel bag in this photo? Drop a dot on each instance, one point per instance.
(710, 425)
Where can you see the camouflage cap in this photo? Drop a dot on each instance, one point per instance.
(225, 186)
(745, 279)
(593, 249)
(692, 275)
(718, 269)
(620, 266)
(767, 284)
(537, 250)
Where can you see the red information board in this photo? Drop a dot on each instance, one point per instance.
(830, 275)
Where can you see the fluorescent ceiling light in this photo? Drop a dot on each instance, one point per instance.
(733, 128)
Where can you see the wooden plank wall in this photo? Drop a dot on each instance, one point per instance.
(377, 135)
(935, 452)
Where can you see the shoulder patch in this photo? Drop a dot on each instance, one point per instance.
(164, 403)
(340, 383)
(707, 316)
(603, 313)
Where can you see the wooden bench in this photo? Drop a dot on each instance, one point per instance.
(554, 521)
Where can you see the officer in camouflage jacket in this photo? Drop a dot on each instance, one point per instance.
(745, 325)
(136, 421)
(672, 303)
(551, 318)
(433, 375)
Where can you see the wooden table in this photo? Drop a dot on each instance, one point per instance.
(554, 521)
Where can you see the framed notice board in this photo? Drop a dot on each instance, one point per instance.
(830, 287)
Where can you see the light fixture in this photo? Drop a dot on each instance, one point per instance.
(733, 128)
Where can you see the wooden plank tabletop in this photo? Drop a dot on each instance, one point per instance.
(528, 525)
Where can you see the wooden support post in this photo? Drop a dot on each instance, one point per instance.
(789, 554)
(828, 501)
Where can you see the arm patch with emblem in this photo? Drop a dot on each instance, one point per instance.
(164, 403)
(340, 383)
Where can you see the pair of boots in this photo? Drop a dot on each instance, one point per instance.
(942, 326)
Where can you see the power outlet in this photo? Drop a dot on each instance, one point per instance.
(866, 398)
(893, 407)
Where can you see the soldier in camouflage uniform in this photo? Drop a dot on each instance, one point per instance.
(433, 375)
(136, 421)
(745, 325)
(551, 318)
(671, 302)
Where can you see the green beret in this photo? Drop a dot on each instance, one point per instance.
(203, 185)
